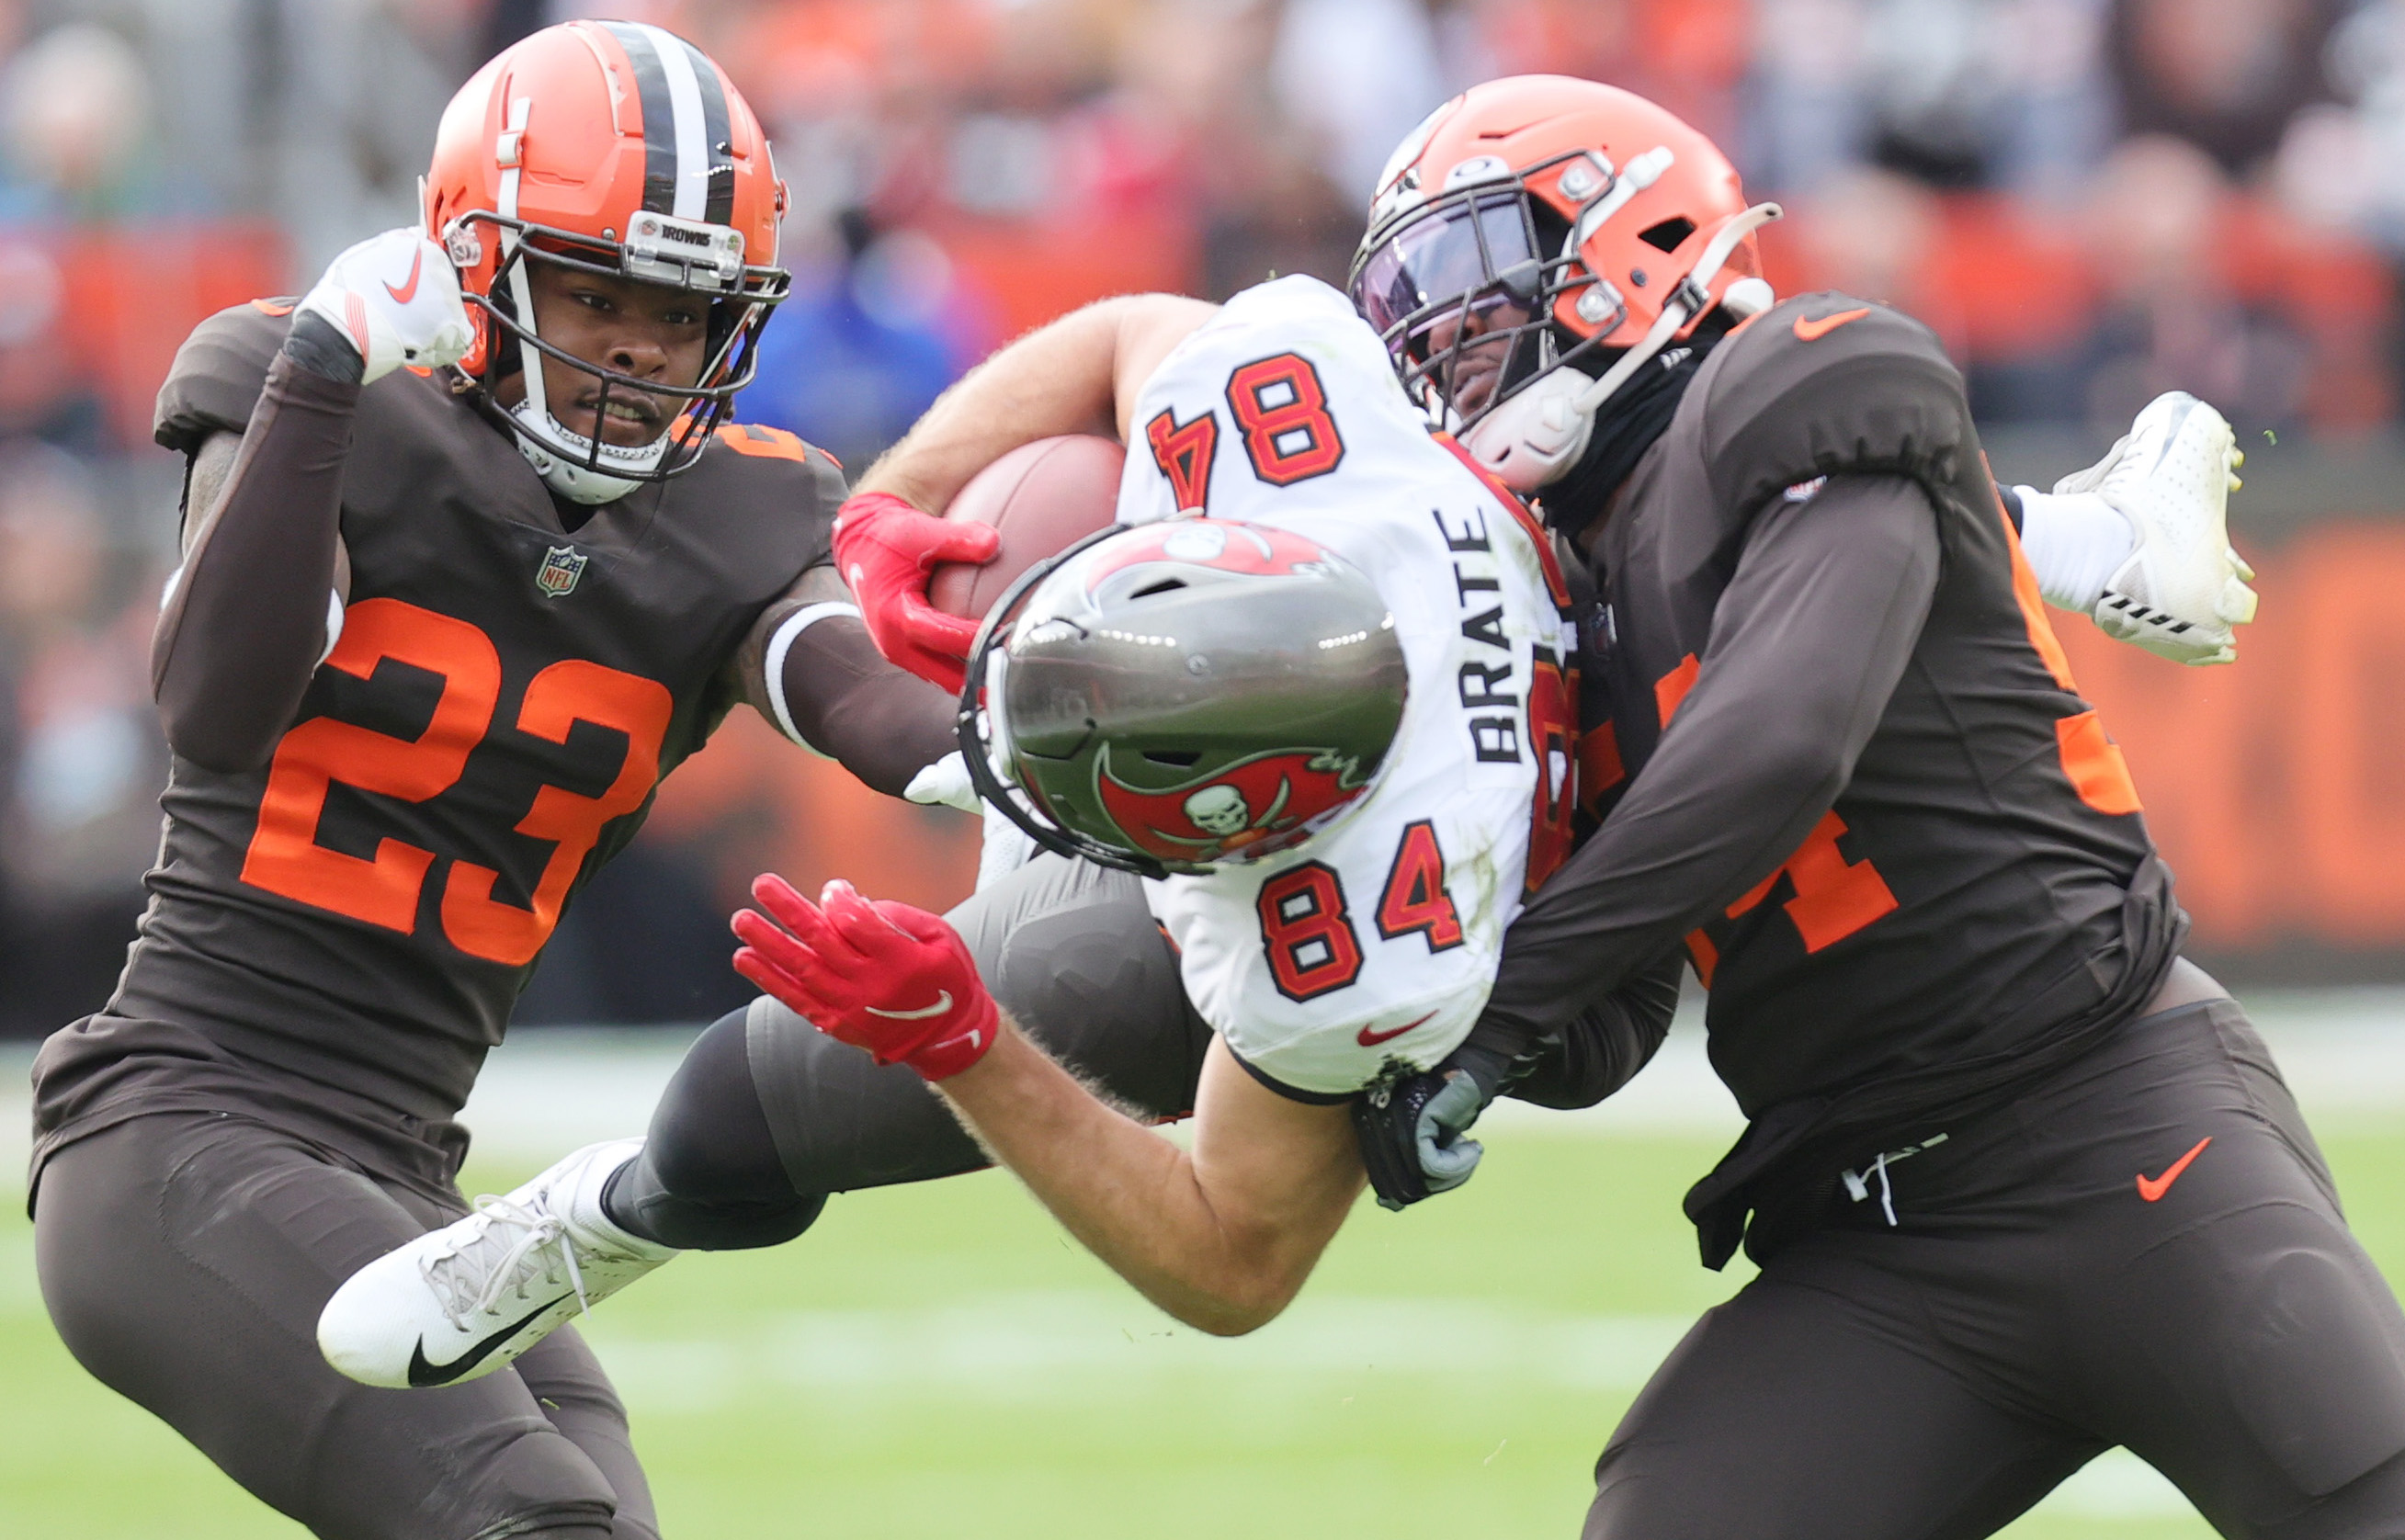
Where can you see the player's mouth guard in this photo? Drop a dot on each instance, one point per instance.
(983, 726)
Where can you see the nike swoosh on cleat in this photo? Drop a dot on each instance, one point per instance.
(1813, 332)
(2152, 1188)
(425, 1375)
(1370, 1039)
(408, 291)
(943, 1003)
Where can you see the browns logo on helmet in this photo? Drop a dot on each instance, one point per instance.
(1532, 243)
(621, 149)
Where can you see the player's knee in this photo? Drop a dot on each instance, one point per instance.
(537, 1483)
(710, 1176)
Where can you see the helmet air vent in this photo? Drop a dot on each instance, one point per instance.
(1669, 235)
(1166, 585)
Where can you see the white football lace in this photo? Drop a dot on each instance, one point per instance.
(542, 1237)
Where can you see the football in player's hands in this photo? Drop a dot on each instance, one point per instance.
(885, 549)
(894, 980)
(1041, 499)
(395, 298)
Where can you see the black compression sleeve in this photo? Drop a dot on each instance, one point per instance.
(1808, 643)
(241, 635)
(1603, 1047)
(882, 723)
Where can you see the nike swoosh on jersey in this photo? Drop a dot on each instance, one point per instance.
(1813, 332)
(943, 1003)
(408, 291)
(2152, 1188)
(1370, 1039)
(424, 1375)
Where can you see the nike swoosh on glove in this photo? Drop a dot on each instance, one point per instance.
(885, 549)
(894, 980)
(395, 296)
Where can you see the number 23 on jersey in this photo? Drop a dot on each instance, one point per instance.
(285, 856)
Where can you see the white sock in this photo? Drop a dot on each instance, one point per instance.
(2075, 543)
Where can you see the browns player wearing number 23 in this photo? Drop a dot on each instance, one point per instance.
(473, 557)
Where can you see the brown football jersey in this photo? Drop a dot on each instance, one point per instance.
(1984, 883)
(503, 700)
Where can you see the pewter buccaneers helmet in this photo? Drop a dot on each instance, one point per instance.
(1186, 693)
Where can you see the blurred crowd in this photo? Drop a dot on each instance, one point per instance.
(2090, 200)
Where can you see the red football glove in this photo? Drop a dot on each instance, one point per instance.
(885, 549)
(886, 978)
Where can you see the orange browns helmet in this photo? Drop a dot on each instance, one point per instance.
(618, 148)
(1541, 221)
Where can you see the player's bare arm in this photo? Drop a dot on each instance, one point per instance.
(1080, 374)
(1220, 1237)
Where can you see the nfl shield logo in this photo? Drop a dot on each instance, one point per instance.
(561, 567)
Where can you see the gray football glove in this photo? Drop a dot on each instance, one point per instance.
(1412, 1133)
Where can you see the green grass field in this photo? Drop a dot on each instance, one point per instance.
(943, 1362)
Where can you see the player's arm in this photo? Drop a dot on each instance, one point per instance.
(1080, 374)
(247, 618)
(1221, 1237)
(810, 668)
(1808, 640)
(255, 606)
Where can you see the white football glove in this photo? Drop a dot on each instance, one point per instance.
(2183, 592)
(396, 297)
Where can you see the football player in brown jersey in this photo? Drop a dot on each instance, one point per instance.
(473, 557)
(2023, 1183)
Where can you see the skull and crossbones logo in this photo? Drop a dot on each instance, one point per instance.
(1219, 809)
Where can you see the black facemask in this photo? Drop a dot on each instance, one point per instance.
(1623, 431)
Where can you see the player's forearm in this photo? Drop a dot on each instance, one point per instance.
(1131, 1198)
(1811, 638)
(843, 699)
(246, 623)
(1601, 1049)
(1076, 375)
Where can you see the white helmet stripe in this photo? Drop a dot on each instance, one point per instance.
(692, 136)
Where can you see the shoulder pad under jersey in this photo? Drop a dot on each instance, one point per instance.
(219, 373)
(1825, 384)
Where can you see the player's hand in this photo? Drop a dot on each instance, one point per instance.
(886, 978)
(885, 549)
(395, 298)
(1413, 1134)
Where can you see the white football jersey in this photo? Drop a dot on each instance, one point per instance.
(1375, 943)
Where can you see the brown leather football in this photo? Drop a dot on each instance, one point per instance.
(1043, 498)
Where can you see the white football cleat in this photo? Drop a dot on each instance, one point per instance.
(2183, 592)
(460, 1302)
